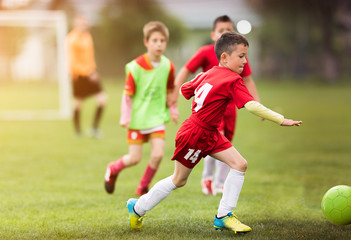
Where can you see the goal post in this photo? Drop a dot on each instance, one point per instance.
(33, 65)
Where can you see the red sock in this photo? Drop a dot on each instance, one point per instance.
(117, 166)
(147, 177)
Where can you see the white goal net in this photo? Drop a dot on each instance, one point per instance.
(34, 80)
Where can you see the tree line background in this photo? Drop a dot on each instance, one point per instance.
(302, 39)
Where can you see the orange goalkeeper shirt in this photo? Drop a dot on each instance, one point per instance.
(81, 53)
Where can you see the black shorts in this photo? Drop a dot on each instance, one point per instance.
(84, 87)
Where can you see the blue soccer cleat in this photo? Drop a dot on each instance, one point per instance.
(135, 221)
(230, 222)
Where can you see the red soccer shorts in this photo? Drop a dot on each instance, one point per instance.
(196, 140)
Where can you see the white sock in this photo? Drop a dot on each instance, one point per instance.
(231, 192)
(209, 167)
(221, 174)
(156, 194)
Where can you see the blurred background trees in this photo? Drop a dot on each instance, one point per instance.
(300, 39)
(304, 38)
(119, 36)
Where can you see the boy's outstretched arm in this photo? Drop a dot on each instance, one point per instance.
(261, 111)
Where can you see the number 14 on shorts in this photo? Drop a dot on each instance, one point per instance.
(192, 155)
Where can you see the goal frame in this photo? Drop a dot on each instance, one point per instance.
(48, 18)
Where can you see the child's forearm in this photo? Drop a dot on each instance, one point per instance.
(126, 109)
(261, 111)
(173, 110)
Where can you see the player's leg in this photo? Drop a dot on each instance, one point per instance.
(157, 152)
(207, 175)
(101, 99)
(78, 102)
(234, 181)
(114, 168)
(231, 191)
(163, 188)
(222, 170)
(137, 208)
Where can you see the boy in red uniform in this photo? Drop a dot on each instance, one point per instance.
(215, 172)
(199, 135)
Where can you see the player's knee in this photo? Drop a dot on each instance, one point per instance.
(134, 159)
(240, 165)
(179, 182)
(157, 157)
(155, 161)
(102, 99)
(77, 105)
(243, 166)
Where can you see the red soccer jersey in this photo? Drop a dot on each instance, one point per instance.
(213, 90)
(206, 58)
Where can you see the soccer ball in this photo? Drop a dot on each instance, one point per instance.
(336, 205)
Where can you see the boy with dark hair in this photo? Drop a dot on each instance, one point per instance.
(215, 172)
(199, 135)
(150, 77)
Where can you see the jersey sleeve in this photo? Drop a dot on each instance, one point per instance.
(195, 62)
(247, 69)
(240, 94)
(188, 88)
(171, 77)
(129, 87)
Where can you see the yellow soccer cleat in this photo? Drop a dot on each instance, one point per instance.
(230, 222)
(135, 221)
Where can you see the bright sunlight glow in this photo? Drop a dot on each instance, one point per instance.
(244, 27)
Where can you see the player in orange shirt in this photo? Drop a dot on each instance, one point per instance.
(85, 79)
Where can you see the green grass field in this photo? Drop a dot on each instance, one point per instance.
(38, 96)
(51, 182)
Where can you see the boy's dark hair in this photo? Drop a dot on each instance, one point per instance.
(227, 43)
(223, 18)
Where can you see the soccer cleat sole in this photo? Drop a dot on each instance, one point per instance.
(236, 232)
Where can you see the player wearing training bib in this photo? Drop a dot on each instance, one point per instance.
(148, 86)
(149, 78)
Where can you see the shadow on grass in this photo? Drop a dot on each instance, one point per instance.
(267, 229)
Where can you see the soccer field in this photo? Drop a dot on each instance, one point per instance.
(51, 182)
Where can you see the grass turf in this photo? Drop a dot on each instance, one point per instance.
(51, 182)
